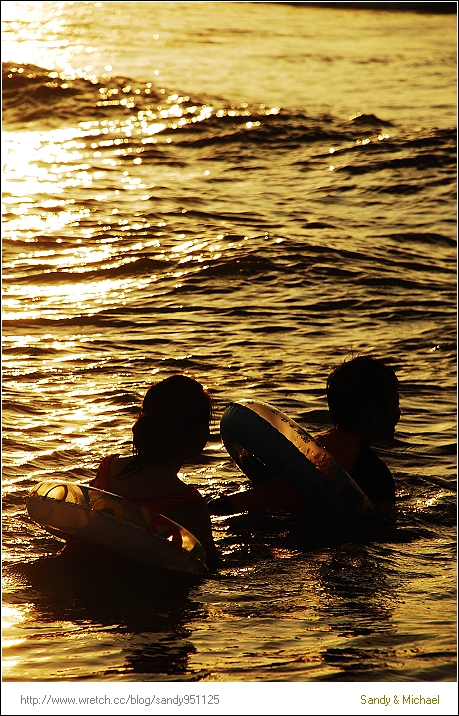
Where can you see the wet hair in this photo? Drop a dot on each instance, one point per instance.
(355, 385)
(170, 410)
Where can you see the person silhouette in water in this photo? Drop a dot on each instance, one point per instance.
(363, 400)
(171, 429)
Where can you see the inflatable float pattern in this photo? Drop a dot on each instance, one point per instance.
(263, 441)
(125, 527)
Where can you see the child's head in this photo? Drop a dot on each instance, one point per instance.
(174, 420)
(363, 397)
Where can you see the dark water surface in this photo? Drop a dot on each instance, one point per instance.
(247, 193)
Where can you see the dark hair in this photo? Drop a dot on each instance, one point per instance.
(170, 410)
(355, 385)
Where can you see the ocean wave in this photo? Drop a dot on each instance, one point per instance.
(29, 92)
(424, 238)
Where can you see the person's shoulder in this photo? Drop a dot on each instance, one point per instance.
(102, 471)
(369, 455)
(108, 458)
(117, 463)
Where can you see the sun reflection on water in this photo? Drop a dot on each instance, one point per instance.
(82, 296)
(13, 617)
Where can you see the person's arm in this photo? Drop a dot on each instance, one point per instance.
(236, 502)
(196, 519)
(386, 510)
(274, 494)
(220, 506)
(374, 477)
(246, 500)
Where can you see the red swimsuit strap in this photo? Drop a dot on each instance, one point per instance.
(102, 479)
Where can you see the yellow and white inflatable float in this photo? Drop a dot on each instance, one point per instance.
(127, 528)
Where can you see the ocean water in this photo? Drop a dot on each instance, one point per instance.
(247, 193)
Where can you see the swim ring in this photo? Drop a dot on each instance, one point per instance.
(263, 442)
(125, 527)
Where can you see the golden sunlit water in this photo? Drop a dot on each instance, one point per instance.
(247, 193)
